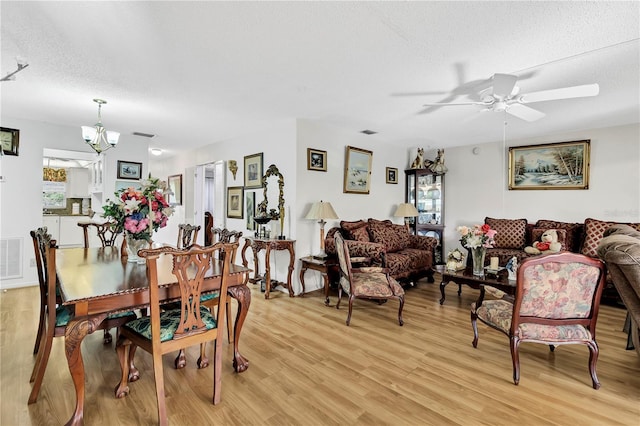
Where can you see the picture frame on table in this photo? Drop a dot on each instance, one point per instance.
(235, 202)
(392, 175)
(9, 140)
(253, 171)
(174, 182)
(316, 160)
(357, 170)
(560, 165)
(129, 170)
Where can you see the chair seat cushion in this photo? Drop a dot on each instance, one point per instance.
(375, 285)
(169, 321)
(553, 333)
(207, 297)
(496, 313)
(63, 316)
(121, 315)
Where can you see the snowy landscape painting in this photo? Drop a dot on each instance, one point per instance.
(562, 165)
(357, 170)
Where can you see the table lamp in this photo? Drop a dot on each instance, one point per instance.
(406, 210)
(321, 211)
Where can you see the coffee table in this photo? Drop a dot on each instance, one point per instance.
(465, 276)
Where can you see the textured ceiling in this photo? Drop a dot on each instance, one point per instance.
(195, 73)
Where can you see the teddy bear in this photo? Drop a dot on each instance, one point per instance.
(548, 243)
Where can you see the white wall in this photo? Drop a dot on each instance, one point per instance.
(476, 185)
(21, 191)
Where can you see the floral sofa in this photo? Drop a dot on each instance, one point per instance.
(513, 235)
(408, 257)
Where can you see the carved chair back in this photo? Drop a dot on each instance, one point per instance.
(187, 235)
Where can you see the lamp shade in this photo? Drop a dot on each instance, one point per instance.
(321, 210)
(406, 210)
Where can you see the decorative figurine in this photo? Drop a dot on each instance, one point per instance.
(418, 163)
(512, 268)
(438, 166)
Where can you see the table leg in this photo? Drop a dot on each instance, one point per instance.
(325, 276)
(291, 262)
(243, 295)
(443, 284)
(76, 331)
(302, 271)
(267, 271)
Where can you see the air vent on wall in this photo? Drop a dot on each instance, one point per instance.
(144, 135)
(11, 258)
(368, 132)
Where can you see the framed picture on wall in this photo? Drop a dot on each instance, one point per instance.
(357, 170)
(316, 160)
(10, 139)
(175, 190)
(235, 202)
(392, 175)
(253, 171)
(563, 165)
(129, 170)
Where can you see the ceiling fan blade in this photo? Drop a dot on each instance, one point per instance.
(524, 112)
(563, 93)
(503, 84)
(456, 103)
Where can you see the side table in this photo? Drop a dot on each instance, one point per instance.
(320, 265)
(258, 244)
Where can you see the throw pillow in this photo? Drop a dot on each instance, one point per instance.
(356, 230)
(510, 233)
(594, 232)
(536, 233)
(394, 237)
(573, 231)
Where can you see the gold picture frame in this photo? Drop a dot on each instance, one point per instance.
(235, 202)
(357, 170)
(10, 140)
(253, 171)
(561, 165)
(391, 174)
(316, 160)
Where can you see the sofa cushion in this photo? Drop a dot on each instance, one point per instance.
(573, 231)
(357, 230)
(536, 233)
(594, 232)
(510, 233)
(394, 237)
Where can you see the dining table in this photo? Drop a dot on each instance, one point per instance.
(98, 282)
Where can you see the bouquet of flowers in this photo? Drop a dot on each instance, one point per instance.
(478, 236)
(140, 211)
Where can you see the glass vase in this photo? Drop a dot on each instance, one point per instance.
(477, 255)
(133, 245)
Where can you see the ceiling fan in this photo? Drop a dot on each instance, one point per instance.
(506, 97)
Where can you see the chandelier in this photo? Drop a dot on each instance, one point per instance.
(97, 137)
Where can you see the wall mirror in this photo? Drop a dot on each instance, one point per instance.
(272, 205)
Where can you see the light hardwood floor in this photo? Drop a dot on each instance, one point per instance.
(308, 368)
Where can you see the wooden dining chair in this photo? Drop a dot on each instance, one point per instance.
(208, 226)
(187, 235)
(107, 232)
(56, 316)
(165, 331)
(210, 301)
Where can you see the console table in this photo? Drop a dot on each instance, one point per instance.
(267, 245)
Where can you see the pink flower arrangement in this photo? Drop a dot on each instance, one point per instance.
(478, 236)
(140, 211)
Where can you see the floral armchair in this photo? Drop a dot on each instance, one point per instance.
(556, 303)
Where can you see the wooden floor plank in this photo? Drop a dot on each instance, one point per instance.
(308, 368)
